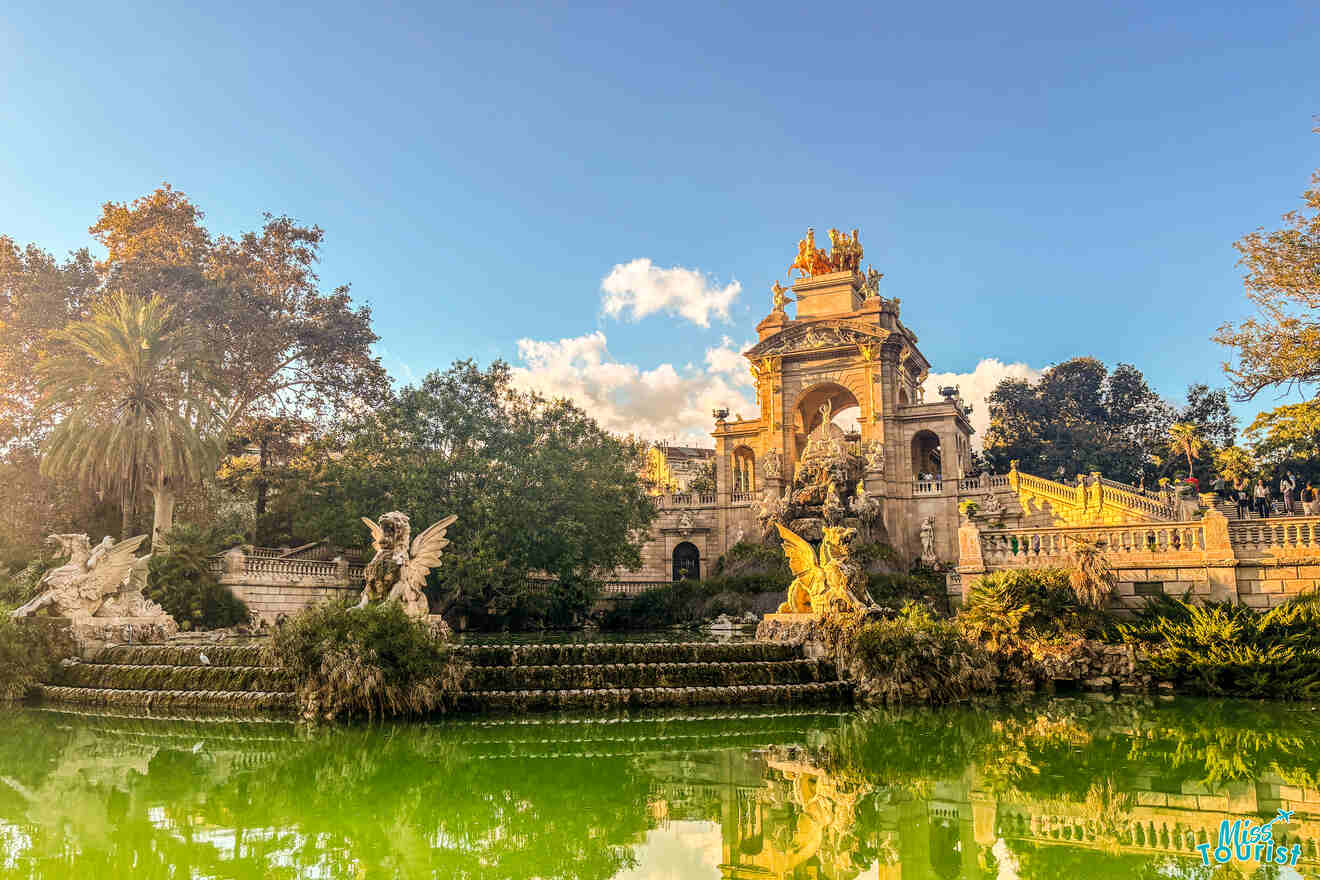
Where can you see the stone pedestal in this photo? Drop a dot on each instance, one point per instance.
(86, 636)
(796, 629)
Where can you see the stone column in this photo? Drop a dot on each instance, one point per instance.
(1220, 560)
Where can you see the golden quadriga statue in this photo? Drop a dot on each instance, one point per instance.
(398, 572)
(829, 584)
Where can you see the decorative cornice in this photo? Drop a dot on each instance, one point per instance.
(823, 335)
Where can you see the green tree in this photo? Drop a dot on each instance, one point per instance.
(1078, 418)
(1288, 438)
(288, 351)
(538, 487)
(136, 397)
(1234, 463)
(1185, 439)
(1279, 346)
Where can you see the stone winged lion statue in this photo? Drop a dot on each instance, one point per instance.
(397, 571)
(79, 587)
(832, 583)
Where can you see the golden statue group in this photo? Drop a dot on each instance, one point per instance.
(828, 583)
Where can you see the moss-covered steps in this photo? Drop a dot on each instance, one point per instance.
(499, 678)
(518, 678)
(213, 678)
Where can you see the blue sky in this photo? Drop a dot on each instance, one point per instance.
(1036, 181)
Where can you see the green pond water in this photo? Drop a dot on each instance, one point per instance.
(1066, 788)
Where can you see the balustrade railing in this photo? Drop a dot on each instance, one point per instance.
(927, 487)
(742, 497)
(287, 567)
(631, 588)
(1284, 533)
(1019, 547)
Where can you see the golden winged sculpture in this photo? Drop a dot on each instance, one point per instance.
(398, 572)
(830, 584)
(78, 588)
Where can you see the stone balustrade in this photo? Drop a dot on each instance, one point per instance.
(1283, 533)
(927, 487)
(692, 499)
(743, 497)
(1012, 548)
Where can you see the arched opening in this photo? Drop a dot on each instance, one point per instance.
(925, 456)
(828, 400)
(687, 561)
(744, 470)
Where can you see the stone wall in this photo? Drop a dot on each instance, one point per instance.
(1260, 563)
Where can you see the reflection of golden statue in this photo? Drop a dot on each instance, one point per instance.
(831, 584)
(811, 260)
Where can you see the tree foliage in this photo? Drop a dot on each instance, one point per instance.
(286, 349)
(1280, 345)
(540, 490)
(1081, 417)
(136, 397)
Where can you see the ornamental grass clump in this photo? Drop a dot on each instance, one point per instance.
(374, 661)
(916, 657)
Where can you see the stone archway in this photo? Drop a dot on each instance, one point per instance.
(687, 561)
(926, 455)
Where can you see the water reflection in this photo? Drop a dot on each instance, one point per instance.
(1067, 789)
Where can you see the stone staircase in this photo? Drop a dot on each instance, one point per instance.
(500, 678)
(628, 675)
(229, 678)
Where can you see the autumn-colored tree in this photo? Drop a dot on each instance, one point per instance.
(1185, 440)
(1234, 463)
(135, 395)
(288, 352)
(1279, 346)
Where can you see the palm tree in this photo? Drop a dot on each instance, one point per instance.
(1185, 439)
(137, 401)
(1091, 577)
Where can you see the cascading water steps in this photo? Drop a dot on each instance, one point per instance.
(499, 678)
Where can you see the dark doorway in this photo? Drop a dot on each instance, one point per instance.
(687, 561)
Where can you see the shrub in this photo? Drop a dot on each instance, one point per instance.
(181, 581)
(1222, 649)
(747, 557)
(20, 586)
(689, 602)
(374, 661)
(28, 655)
(916, 657)
(891, 591)
(1015, 604)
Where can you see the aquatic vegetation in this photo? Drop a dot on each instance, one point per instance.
(374, 661)
(916, 657)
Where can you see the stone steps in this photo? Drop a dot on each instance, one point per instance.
(596, 654)
(609, 698)
(245, 701)
(499, 678)
(645, 675)
(182, 655)
(162, 677)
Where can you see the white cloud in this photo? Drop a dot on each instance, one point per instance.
(727, 359)
(660, 403)
(639, 288)
(977, 385)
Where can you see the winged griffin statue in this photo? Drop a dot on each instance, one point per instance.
(832, 583)
(80, 587)
(397, 571)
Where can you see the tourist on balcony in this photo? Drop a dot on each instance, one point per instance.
(1310, 501)
(1262, 495)
(1240, 487)
(1287, 486)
